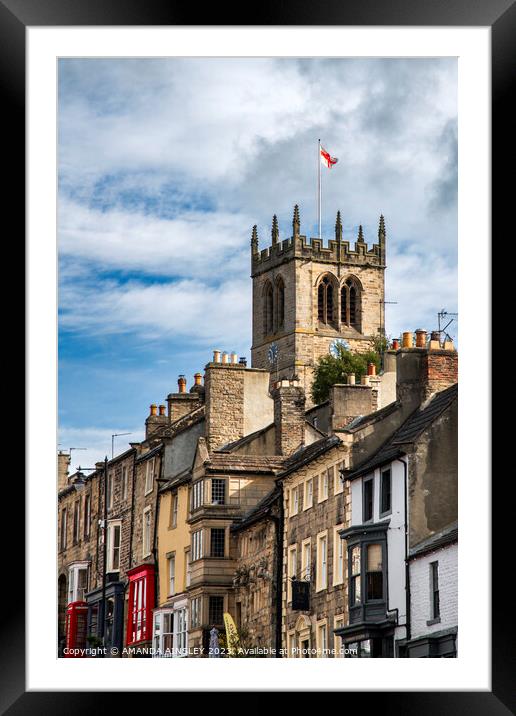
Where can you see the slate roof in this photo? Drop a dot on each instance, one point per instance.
(409, 431)
(363, 420)
(305, 454)
(449, 535)
(229, 447)
(185, 421)
(422, 418)
(258, 511)
(228, 462)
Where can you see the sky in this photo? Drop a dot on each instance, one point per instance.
(166, 164)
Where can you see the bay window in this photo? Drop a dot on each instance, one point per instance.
(197, 548)
(374, 573)
(356, 591)
(197, 494)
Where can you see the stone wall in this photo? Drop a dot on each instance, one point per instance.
(330, 603)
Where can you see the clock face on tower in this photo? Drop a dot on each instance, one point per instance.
(338, 345)
(273, 354)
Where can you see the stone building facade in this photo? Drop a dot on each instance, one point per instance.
(316, 507)
(306, 295)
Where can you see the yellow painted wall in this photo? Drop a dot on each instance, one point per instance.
(172, 539)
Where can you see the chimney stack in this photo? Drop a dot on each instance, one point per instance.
(289, 416)
(349, 401)
(423, 371)
(155, 421)
(63, 463)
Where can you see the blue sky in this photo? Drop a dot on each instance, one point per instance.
(166, 164)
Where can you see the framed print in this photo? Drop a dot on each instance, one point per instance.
(289, 220)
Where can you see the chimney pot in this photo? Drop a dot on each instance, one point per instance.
(197, 379)
(420, 338)
(243, 361)
(225, 358)
(407, 341)
(216, 356)
(395, 344)
(371, 369)
(351, 379)
(153, 409)
(448, 346)
(364, 380)
(181, 382)
(234, 358)
(162, 410)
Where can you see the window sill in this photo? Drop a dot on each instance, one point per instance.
(431, 622)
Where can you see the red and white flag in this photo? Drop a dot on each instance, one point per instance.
(326, 159)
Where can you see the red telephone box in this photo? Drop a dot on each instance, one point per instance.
(76, 626)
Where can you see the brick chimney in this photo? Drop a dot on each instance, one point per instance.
(63, 463)
(289, 416)
(423, 371)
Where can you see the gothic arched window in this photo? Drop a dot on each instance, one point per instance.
(280, 303)
(325, 302)
(350, 303)
(267, 309)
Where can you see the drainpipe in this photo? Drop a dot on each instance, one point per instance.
(131, 530)
(155, 531)
(104, 552)
(407, 569)
(278, 522)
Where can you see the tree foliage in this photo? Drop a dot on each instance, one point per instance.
(332, 369)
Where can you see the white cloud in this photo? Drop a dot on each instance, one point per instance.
(97, 442)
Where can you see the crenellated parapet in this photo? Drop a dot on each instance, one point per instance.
(338, 250)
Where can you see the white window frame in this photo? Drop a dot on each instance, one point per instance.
(149, 476)
(146, 532)
(197, 494)
(188, 567)
(322, 562)
(174, 510)
(181, 632)
(171, 567)
(110, 529)
(197, 545)
(321, 628)
(308, 500)
(306, 564)
(87, 516)
(291, 569)
(338, 484)
(110, 489)
(64, 528)
(323, 491)
(125, 481)
(338, 645)
(338, 556)
(196, 612)
(294, 500)
(73, 581)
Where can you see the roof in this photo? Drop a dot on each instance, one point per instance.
(317, 407)
(229, 447)
(180, 479)
(184, 422)
(150, 453)
(229, 462)
(258, 511)
(449, 535)
(408, 432)
(425, 416)
(304, 455)
(362, 420)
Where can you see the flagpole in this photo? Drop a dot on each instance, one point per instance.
(319, 183)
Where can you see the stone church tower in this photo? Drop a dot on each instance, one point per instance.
(306, 296)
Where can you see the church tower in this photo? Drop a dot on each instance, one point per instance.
(306, 296)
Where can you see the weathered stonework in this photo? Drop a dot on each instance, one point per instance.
(299, 265)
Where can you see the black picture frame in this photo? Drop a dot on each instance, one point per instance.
(500, 16)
